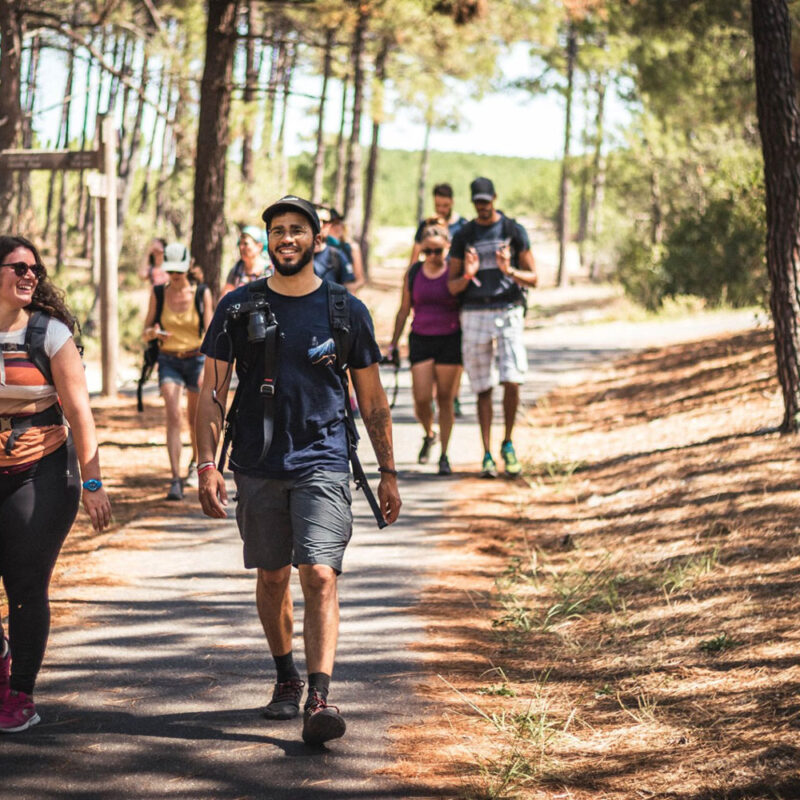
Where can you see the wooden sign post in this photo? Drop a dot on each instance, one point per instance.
(102, 186)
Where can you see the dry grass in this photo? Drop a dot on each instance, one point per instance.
(631, 626)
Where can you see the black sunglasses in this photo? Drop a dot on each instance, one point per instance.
(21, 269)
(432, 251)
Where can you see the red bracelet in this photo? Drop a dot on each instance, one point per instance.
(206, 466)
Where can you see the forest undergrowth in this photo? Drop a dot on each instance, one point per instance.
(627, 628)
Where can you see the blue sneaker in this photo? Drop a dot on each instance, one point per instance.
(488, 468)
(513, 467)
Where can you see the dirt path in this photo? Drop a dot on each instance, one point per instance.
(157, 667)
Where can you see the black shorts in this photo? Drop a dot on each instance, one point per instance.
(442, 349)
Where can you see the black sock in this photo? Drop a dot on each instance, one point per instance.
(285, 667)
(319, 682)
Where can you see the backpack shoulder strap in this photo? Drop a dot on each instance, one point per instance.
(199, 295)
(34, 343)
(412, 275)
(339, 316)
(158, 291)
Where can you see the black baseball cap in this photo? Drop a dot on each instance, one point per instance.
(482, 189)
(292, 203)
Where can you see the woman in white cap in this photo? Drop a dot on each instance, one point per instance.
(252, 263)
(178, 314)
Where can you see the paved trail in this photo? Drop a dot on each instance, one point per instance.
(153, 690)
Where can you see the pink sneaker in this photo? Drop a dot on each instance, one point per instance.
(17, 712)
(5, 669)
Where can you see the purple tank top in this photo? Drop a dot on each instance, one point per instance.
(435, 309)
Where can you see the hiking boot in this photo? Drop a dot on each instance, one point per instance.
(488, 468)
(457, 408)
(425, 450)
(321, 722)
(17, 712)
(513, 467)
(192, 480)
(5, 669)
(285, 703)
(444, 466)
(175, 490)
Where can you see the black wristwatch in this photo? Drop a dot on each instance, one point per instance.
(92, 485)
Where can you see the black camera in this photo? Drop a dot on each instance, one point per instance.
(259, 315)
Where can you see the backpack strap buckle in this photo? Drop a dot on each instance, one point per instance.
(267, 387)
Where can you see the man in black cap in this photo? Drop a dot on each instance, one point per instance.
(491, 266)
(294, 499)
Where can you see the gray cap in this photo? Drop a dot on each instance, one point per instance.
(292, 203)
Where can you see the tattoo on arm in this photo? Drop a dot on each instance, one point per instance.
(378, 423)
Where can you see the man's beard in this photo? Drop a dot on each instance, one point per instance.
(292, 269)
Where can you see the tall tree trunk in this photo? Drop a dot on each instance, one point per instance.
(208, 229)
(372, 164)
(128, 169)
(166, 138)
(277, 59)
(319, 156)
(424, 162)
(656, 213)
(598, 180)
(341, 151)
(249, 95)
(10, 109)
(353, 200)
(113, 81)
(283, 159)
(779, 124)
(24, 196)
(61, 141)
(82, 191)
(563, 213)
(151, 150)
(61, 230)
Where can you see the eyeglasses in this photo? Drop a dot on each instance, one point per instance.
(21, 269)
(432, 251)
(295, 232)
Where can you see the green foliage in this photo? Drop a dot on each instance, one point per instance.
(718, 644)
(718, 253)
(525, 187)
(640, 272)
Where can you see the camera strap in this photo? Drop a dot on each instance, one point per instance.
(267, 388)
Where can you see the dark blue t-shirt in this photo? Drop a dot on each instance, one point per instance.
(331, 265)
(496, 289)
(309, 422)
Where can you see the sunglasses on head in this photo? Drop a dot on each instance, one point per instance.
(432, 251)
(21, 269)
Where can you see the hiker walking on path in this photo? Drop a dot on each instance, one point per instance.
(434, 344)
(443, 203)
(42, 462)
(491, 266)
(290, 449)
(252, 263)
(178, 314)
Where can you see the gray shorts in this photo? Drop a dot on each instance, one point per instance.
(294, 521)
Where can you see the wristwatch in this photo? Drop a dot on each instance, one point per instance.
(92, 485)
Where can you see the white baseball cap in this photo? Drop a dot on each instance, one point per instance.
(176, 258)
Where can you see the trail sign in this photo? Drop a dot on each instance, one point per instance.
(50, 159)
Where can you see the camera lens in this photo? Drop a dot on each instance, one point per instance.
(256, 326)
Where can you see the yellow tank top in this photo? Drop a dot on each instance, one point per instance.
(183, 328)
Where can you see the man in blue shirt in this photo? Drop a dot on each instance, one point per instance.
(491, 266)
(294, 500)
(443, 206)
(331, 263)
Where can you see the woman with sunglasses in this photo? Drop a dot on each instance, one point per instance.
(178, 321)
(434, 344)
(42, 464)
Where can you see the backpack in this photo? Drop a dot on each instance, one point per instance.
(412, 275)
(339, 318)
(508, 231)
(150, 355)
(33, 345)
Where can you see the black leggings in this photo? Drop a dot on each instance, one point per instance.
(37, 509)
